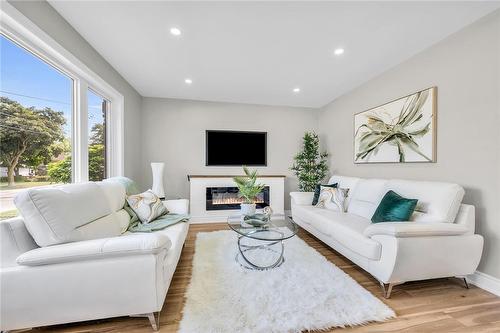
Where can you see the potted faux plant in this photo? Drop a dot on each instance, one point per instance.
(248, 190)
(310, 165)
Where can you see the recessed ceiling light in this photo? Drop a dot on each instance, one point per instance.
(296, 90)
(338, 51)
(188, 81)
(175, 31)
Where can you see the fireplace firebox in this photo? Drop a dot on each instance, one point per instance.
(226, 198)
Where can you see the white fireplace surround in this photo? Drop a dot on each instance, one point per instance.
(198, 185)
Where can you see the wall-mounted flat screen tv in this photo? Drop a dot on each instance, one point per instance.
(236, 148)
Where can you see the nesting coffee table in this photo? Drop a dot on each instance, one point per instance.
(262, 247)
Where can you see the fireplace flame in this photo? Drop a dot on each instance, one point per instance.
(232, 200)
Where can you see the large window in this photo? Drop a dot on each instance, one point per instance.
(36, 106)
(97, 114)
(59, 121)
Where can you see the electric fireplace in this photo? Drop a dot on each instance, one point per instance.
(226, 198)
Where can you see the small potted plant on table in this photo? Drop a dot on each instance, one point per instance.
(248, 190)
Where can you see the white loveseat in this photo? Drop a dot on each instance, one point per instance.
(439, 241)
(68, 258)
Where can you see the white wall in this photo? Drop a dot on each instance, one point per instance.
(465, 68)
(43, 15)
(174, 133)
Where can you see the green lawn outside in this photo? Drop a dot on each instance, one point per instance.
(5, 186)
(8, 214)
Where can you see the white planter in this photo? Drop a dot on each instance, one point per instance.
(247, 209)
(157, 187)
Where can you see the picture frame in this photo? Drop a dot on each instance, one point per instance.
(403, 130)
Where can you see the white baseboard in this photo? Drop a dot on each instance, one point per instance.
(485, 281)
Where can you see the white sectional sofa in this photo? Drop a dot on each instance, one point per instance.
(439, 241)
(68, 258)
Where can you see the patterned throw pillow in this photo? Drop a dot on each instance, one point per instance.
(147, 206)
(317, 191)
(333, 198)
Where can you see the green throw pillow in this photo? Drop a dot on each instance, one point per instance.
(317, 192)
(394, 208)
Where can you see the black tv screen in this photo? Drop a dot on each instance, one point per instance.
(235, 148)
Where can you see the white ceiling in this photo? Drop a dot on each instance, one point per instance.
(257, 52)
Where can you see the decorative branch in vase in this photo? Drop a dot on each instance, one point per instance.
(248, 190)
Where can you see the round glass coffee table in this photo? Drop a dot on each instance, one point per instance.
(261, 247)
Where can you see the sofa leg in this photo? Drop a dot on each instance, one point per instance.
(387, 288)
(464, 280)
(154, 320)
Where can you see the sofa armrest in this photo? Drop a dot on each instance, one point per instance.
(302, 198)
(415, 229)
(177, 206)
(96, 249)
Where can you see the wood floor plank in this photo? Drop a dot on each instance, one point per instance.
(440, 305)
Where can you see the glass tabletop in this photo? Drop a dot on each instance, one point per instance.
(280, 227)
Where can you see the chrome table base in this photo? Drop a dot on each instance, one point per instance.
(243, 259)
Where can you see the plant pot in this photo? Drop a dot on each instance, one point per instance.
(247, 209)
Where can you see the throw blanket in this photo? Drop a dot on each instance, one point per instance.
(160, 223)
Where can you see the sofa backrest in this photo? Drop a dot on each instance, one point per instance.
(366, 197)
(73, 212)
(437, 201)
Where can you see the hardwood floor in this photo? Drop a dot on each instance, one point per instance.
(441, 305)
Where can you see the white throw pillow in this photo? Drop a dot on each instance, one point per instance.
(333, 198)
(147, 206)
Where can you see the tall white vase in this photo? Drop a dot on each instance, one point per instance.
(157, 187)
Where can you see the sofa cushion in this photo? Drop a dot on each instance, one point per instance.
(437, 201)
(176, 233)
(366, 197)
(53, 214)
(96, 249)
(110, 225)
(115, 194)
(345, 228)
(415, 229)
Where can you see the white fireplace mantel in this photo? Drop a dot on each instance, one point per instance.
(197, 197)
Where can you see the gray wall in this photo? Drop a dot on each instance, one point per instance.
(174, 133)
(465, 68)
(47, 19)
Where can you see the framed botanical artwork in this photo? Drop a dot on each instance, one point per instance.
(401, 131)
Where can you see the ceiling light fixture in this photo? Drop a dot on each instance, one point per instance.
(296, 90)
(175, 31)
(338, 51)
(188, 81)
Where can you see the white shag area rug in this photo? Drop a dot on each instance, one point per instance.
(307, 292)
